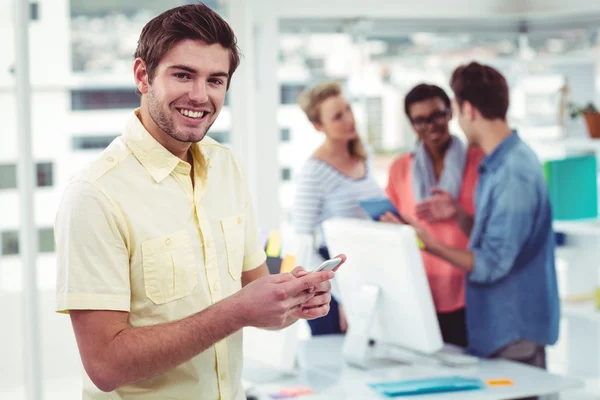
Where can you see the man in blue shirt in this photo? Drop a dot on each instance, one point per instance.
(512, 296)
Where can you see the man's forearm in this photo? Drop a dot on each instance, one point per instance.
(462, 259)
(464, 221)
(140, 353)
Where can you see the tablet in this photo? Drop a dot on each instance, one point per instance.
(376, 207)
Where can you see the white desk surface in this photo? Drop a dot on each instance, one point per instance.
(324, 371)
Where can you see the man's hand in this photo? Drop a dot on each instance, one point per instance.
(428, 241)
(462, 259)
(318, 306)
(271, 301)
(439, 207)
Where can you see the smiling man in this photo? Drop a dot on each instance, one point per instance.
(159, 264)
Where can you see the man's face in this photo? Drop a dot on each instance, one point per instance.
(464, 120)
(188, 89)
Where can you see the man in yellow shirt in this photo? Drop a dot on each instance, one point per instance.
(159, 264)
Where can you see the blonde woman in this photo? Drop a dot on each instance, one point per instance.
(331, 184)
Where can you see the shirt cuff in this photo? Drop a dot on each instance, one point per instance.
(479, 273)
(255, 260)
(88, 301)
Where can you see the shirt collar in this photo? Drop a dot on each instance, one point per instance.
(495, 158)
(158, 161)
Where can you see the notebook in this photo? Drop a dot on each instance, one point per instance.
(424, 386)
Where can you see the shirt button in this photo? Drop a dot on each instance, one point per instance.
(239, 220)
(110, 159)
(216, 286)
(168, 242)
(223, 376)
(209, 243)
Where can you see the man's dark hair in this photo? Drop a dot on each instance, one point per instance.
(424, 92)
(482, 86)
(191, 21)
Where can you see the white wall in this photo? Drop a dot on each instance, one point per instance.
(8, 136)
(50, 55)
(7, 32)
(48, 110)
(49, 47)
(61, 365)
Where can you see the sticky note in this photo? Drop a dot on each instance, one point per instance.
(499, 382)
(295, 391)
(274, 245)
(288, 263)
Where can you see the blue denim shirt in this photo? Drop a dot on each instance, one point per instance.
(512, 291)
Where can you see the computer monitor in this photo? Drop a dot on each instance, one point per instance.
(383, 288)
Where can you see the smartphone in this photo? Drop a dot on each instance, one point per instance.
(332, 264)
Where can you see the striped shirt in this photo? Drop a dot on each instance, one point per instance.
(323, 192)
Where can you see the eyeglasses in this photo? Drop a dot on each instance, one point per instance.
(438, 117)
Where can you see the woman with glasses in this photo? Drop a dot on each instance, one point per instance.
(440, 165)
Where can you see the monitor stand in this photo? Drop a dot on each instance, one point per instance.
(357, 350)
(361, 351)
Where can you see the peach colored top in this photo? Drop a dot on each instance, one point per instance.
(446, 281)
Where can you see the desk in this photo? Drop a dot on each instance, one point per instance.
(323, 370)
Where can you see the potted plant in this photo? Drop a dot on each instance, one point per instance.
(590, 114)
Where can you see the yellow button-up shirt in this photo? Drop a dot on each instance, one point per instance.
(133, 234)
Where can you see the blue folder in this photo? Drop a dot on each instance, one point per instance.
(573, 187)
(425, 386)
(378, 206)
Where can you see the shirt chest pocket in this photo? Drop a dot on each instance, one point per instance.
(233, 232)
(169, 267)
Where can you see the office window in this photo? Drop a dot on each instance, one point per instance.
(220, 136)
(99, 142)
(46, 240)
(44, 174)
(290, 93)
(34, 11)
(8, 176)
(315, 63)
(375, 124)
(286, 174)
(104, 99)
(285, 134)
(10, 243)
